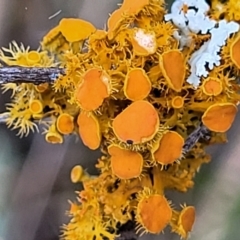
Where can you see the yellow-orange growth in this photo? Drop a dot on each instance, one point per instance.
(94, 88)
(125, 164)
(173, 68)
(154, 213)
(139, 122)
(137, 85)
(169, 148)
(219, 117)
(89, 130)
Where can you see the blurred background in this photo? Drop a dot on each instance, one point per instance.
(34, 176)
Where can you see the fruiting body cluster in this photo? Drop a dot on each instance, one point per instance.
(136, 90)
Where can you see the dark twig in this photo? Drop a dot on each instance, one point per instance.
(35, 75)
(200, 132)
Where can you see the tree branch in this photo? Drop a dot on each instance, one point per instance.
(35, 75)
(200, 132)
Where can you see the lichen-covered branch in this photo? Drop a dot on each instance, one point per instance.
(35, 75)
(149, 105)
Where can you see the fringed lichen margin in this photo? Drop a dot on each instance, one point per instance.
(151, 91)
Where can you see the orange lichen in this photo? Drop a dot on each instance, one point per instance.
(94, 88)
(51, 35)
(78, 174)
(114, 22)
(33, 57)
(235, 52)
(212, 86)
(177, 102)
(97, 40)
(133, 7)
(125, 164)
(74, 29)
(119, 85)
(89, 130)
(137, 85)
(65, 124)
(144, 42)
(186, 221)
(99, 34)
(182, 222)
(153, 213)
(139, 122)
(173, 68)
(121, 15)
(185, 8)
(218, 9)
(232, 10)
(36, 106)
(219, 117)
(165, 36)
(168, 149)
(53, 136)
(73, 207)
(42, 87)
(54, 40)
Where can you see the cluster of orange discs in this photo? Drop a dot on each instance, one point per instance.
(125, 91)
